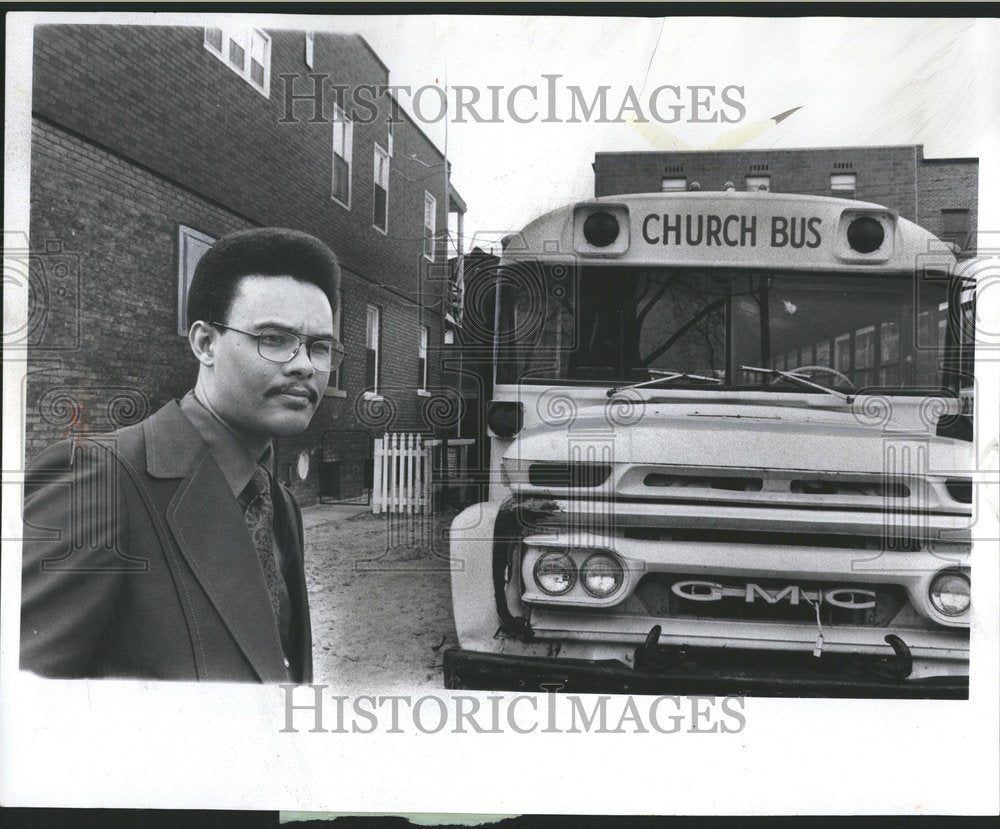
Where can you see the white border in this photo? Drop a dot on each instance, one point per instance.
(134, 744)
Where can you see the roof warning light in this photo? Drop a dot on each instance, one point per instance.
(601, 229)
(865, 234)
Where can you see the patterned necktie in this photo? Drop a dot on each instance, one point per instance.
(259, 515)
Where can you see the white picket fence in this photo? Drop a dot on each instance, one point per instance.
(402, 480)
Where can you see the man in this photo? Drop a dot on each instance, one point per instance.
(167, 550)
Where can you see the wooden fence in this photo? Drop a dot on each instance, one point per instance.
(402, 479)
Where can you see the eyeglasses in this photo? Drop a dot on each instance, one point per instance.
(279, 346)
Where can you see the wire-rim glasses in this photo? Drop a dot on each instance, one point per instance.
(278, 346)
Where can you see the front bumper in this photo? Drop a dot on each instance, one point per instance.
(702, 672)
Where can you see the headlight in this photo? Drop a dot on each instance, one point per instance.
(505, 417)
(601, 575)
(555, 573)
(951, 594)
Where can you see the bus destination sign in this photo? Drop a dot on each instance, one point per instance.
(734, 230)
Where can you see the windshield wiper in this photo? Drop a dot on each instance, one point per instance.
(802, 381)
(667, 377)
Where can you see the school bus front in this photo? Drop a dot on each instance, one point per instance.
(729, 456)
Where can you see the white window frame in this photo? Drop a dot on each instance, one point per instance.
(245, 39)
(430, 227)
(380, 173)
(422, 346)
(389, 135)
(673, 184)
(343, 129)
(753, 183)
(373, 338)
(844, 183)
(310, 48)
(189, 244)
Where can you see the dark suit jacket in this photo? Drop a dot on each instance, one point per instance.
(138, 563)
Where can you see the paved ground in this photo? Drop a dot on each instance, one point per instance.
(380, 597)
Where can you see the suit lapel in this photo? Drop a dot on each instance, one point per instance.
(286, 524)
(210, 532)
(288, 521)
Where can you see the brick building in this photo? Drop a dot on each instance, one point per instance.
(940, 194)
(148, 143)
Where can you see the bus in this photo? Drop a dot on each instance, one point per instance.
(731, 454)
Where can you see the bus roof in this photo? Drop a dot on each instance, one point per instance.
(731, 229)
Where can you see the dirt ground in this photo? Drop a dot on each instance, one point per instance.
(380, 598)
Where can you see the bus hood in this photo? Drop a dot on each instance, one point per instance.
(744, 437)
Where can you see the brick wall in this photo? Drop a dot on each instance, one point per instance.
(113, 336)
(400, 408)
(885, 175)
(897, 177)
(157, 96)
(139, 129)
(117, 225)
(947, 185)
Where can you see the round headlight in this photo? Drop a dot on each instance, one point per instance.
(601, 229)
(865, 234)
(601, 575)
(951, 594)
(555, 573)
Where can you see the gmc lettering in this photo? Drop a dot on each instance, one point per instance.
(849, 598)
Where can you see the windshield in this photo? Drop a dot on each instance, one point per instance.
(626, 325)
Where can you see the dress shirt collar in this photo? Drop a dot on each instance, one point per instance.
(236, 456)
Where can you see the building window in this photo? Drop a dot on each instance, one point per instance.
(310, 48)
(246, 51)
(888, 353)
(214, 39)
(389, 135)
(373, 326)
(380, 208)
(754, 183)
(673, 184)
(843, 184)
(343, 140)
(864, 355)
(191, 246)
(422, 358)
(955, 226)
(430, 224)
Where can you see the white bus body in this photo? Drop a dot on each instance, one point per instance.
(728, 455)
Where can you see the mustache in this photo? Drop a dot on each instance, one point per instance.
(291, 388)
